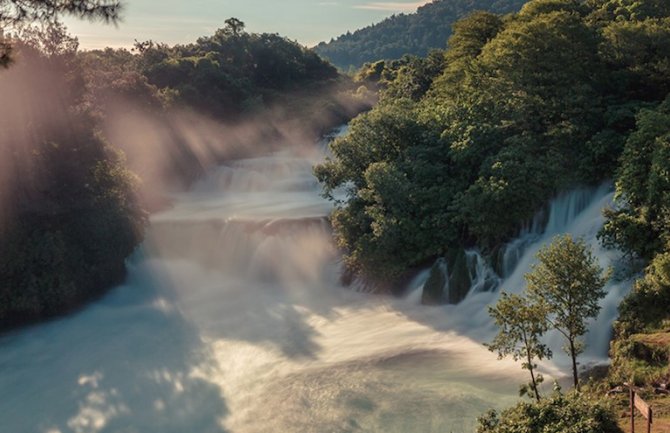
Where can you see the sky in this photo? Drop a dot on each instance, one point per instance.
(182, 21)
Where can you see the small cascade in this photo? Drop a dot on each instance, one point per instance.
(569, 205)
(561, 212)
(244, 247)
(436, 289)
(514, 251)
(278, 173)
(482, 276)
(452, 278)
(578, 213)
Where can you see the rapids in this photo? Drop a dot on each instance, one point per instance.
(232, 319)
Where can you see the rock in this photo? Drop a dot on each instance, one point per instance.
(459, 277)
(449, 281)
(435, 288)
(594, 372)
(498, 260)
(617, 390)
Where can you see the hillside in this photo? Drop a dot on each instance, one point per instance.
(402, 34)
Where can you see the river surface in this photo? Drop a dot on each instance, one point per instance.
(233, 319)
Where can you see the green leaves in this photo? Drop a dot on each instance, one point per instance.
(567, 283)
(640, 226)
(521, 325)
(564, 289)
(572, 413)
(232, 70)
(633, 50)
(398, 192)
(519, 108)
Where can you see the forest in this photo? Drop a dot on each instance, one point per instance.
(468, 144)
(517, 109)
(414, 34)
(75, 196)
(465, 120)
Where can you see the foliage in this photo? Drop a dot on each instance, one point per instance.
(70, 210)
(630, 49)
(641, 226)
(517, 109)
(15, 13)
(70, 216)
(647, 307)
(231, 71)
(415, 34)
(521, 326)
(386, 171)
(640, 359)
(568, 282)
(571, 413)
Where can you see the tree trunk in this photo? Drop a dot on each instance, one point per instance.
(532, 377)
(530, 368)
(575, 376)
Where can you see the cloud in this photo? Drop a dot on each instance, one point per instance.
(393, 6)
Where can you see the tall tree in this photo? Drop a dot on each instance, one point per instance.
(521, 325)
(568, 282)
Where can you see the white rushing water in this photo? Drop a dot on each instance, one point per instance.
(233, 320)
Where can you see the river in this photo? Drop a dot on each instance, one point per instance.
(233, 319)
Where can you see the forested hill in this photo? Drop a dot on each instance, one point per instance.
(402, 34)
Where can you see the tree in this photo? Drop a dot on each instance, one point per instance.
(568, 282)
(471, 34)
(15, 13)
(234, 26)
(640, 226)
(521, 324)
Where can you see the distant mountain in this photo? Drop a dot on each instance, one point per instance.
(402, 34)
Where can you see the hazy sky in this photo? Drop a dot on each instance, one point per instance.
(173, 21)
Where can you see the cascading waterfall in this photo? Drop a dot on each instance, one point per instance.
(578, 213)
(233, 320)
(482, 275)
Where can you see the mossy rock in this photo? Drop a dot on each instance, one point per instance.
(460, 281)
(449, 281)
(437, 284)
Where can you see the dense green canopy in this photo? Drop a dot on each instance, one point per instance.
(518, 109)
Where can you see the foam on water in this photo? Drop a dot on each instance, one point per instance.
(233, 320)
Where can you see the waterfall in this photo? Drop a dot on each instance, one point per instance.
(233, 319)
(578, 213)
(482, 275)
